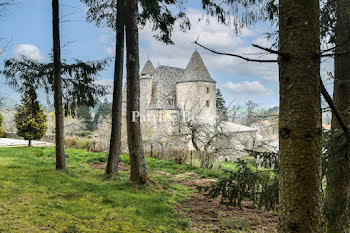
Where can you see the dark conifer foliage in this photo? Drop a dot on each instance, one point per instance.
(78, 79)
(157, 12)
(104, 110)
(31, 120)
(221, 105)
(245, 184)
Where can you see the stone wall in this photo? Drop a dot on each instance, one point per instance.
(197, 98)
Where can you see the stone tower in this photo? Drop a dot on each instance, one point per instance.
(146, 86)
(196, 91)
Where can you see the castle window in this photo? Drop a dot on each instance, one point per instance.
(171, 101)
(207, 90)
(207, 103)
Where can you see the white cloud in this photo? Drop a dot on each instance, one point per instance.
(28, 50)
(110, 49)
(213, 35)
(248, 88)
(105, 38)
(108, 44)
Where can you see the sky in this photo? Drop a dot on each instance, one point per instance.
(26, 30)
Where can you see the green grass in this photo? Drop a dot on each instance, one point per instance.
(34, 197)
(161, 165)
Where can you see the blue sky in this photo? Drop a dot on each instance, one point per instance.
(26, 28)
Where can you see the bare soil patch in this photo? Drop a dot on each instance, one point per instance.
(207, 215)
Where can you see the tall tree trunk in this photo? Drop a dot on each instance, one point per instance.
(338, 184)
(60, 155)
(139, 171)
(300, 129)
(115, 142)
(30, 143)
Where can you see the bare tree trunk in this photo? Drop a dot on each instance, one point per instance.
(300, 129)
(30, 143)
(139, 171)
(115, 142)
(60, 155)
(337, 191)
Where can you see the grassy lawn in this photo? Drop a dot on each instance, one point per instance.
(34, 197)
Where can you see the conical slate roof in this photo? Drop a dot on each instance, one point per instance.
(196, 71)
(148, 68)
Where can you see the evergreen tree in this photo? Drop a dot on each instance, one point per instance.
(300, 113)
(104, 110)
(139, 173)
(30, 119)
(57, 87)
(111, 13)
(300, 125)
(336, 24)
(221, 108)
(77, 84)
(83, 113)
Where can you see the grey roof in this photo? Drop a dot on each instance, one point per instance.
(148, 68)
(196, 71)
(164, 87)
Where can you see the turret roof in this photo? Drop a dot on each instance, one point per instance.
(196, 71)
(148, 68)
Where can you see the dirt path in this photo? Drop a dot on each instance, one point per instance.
(208, 216)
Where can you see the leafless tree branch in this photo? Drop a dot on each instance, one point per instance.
(335, 110)
(270, 50)
(235, 55)
(335, 54)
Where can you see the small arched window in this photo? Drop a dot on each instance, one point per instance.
(171, 101)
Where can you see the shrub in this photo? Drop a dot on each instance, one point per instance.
(178, 155)
(71, 142)
(31, 120)
(89, 144)
(261, 187)
(98, 145)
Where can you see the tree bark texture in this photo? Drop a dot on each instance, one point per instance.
(300, 126)
(336, 207)
(115, 141)
(60, 154)
(139, 171)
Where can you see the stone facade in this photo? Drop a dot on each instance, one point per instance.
(174, 101)
(168, 92)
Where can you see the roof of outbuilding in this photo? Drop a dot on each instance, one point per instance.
(196, 71)
(148, 68)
